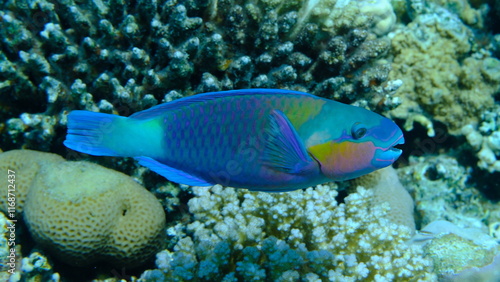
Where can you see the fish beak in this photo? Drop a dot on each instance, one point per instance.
(399, 141)
(386, 156)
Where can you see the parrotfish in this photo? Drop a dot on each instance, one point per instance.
(260, 139)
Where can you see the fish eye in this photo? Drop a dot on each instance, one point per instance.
(358, 130)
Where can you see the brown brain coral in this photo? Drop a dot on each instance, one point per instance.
(84, 213)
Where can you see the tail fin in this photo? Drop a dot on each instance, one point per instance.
(87, 132)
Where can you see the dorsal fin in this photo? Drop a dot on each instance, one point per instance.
(159, 109)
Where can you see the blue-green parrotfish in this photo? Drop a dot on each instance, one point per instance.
(259, 139)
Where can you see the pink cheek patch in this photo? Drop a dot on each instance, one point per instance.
(348, 160)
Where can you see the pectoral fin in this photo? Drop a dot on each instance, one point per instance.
(284, 149)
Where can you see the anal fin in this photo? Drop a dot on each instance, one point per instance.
(171, 173)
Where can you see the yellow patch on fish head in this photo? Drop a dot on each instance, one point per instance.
(344, 160)
(301, 111)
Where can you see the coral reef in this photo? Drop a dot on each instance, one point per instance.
(36, 267)
(83, 213)
(452, 254)
(62, 55)
(459, 254)
(444, 77)
(296, 235)
(333, 15)
(13, 266)
(28, 162)
(490, 272)
(124, 56)
(485, 139)
(470, 15)
(388, 189)
(438, 185)
(5, 261)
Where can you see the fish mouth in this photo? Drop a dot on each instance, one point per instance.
(392, 148)
(386, 156)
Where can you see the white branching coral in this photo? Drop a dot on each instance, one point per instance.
(303, 234)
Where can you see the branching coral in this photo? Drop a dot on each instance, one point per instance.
(388, 189)
(124, 57)
(302, 234)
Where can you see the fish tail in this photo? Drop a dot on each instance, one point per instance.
(90, 133)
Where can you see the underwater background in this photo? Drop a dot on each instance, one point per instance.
(431, 66)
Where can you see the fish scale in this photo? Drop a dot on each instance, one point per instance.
(229, 136)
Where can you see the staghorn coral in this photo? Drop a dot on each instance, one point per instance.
(124, 58)
(83, 213)
(289, 236)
